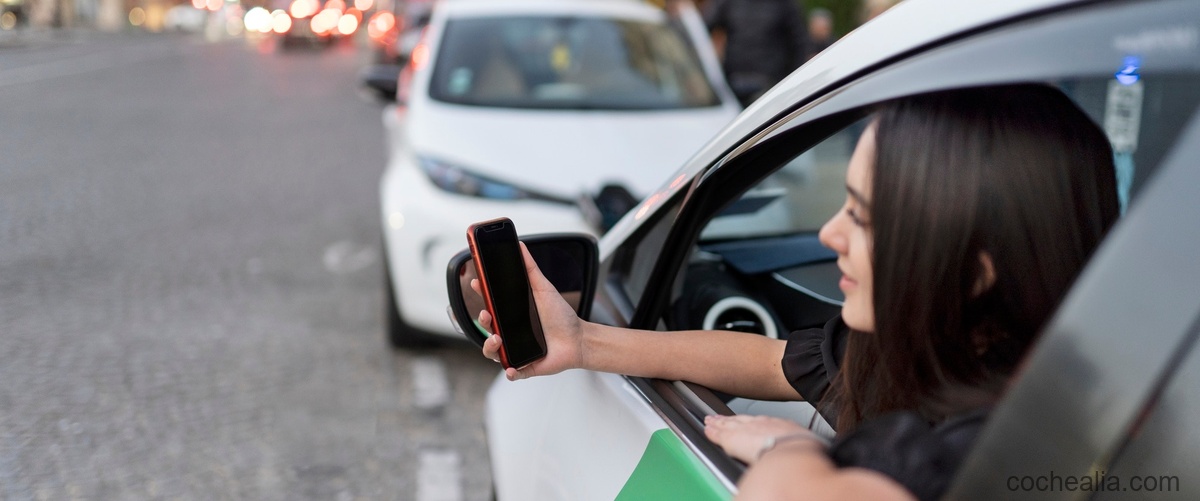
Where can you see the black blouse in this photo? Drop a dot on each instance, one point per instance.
(906, 447)
(810, 362)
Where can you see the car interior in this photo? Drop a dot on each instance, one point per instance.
(759, 267)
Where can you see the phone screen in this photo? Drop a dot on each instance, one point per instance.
(515, 313)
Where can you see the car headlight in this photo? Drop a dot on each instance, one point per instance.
(458, 180)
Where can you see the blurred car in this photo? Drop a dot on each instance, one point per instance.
(392, 39)
(393, 35)
(533, 109)
(185, 17)
(317, 23)
(1108, 397)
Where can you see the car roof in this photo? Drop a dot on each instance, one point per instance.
(634, 9)
(909, 27)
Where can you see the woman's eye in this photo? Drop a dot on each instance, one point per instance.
(855, 217)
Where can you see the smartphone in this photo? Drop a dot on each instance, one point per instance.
(506, 293)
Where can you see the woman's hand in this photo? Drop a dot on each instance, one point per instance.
(562, 327)
(745, 437)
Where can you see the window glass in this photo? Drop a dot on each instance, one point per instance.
(1143, 115)
(758, 266)
(763, 247)
(797, 198)
(568, 63)
(636, 267)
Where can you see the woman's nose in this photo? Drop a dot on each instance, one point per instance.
(831, 237)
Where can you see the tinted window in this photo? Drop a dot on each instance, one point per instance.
(637, 264)
(1143, 117)
(568, 62)
(797, 198)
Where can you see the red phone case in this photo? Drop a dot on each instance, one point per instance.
(483, 284)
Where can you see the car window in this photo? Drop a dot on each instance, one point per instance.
(797, 198)
(757, 266)
(568, 63)
(635, 261)
(763, 246)
(1143, 116)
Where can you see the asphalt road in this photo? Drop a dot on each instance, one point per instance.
(190, 285)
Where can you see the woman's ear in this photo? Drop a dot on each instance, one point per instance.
(987, 275)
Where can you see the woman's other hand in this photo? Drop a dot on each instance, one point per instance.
(562, 327)
(747, 438)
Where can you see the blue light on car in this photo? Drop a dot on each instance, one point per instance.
(501, 191)
(1128, 74)
(456, 179)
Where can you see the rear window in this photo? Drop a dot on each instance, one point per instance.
(568, 63)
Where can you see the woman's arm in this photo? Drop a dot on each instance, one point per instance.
(732, 362)
(737, 363)
(798, 470)
(789, 462)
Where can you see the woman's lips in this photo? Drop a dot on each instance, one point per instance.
(846, 283)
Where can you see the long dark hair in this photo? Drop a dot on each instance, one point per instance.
(1017, 173)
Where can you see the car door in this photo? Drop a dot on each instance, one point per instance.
(1117, 60)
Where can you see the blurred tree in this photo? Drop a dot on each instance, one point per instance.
(847, 14)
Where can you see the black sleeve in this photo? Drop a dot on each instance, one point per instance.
(810, 362)
(905, 447)
(797, 33)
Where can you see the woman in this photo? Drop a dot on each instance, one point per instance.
(968, 215)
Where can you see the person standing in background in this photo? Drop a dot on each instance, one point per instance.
(873, 8)
(764, 41)
(820, 31)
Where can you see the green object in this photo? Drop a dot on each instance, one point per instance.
(668, 470)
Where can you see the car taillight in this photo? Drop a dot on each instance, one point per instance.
(325, 21)
(380, 24)
(281, 22)
(303, 8)
(420, 56)
(347, 24)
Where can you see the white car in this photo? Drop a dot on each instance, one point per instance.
(185, 18)
(1106, 405)
(529, 109)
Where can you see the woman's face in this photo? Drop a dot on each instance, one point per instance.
(849, 234)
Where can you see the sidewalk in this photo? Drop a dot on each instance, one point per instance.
(27, 36)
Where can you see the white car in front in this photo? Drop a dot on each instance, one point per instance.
(528, 109)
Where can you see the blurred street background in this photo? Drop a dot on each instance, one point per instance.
(190, 283)
(190, 269)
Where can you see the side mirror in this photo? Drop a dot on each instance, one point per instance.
(569, 261)
(382, 79)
